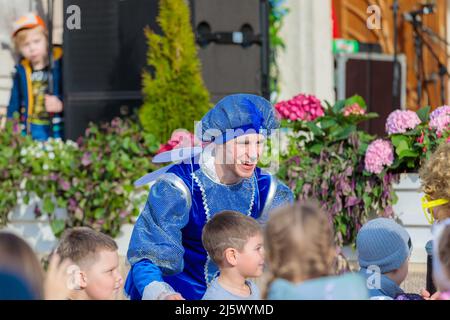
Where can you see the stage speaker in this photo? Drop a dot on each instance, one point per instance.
(104, 60)
(370, 75)
(233, 45)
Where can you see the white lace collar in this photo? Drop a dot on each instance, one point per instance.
(207, 165)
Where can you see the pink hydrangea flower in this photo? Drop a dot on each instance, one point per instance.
(440, 119)
(379, 154)
(401, 121)
(354, 109)
(301, 107)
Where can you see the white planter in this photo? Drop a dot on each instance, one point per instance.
(408, 211)
(38, 232)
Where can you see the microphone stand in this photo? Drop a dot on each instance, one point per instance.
(396, 70)
(442, 69)
(418, 46)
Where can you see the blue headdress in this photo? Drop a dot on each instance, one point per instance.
(231, 117)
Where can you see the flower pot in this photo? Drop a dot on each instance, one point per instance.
(408, 211)
(38, 233)
(35, 230)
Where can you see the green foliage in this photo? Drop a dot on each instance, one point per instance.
(10, 172)
(174, 93)
(92, 179)
(277, 14)
(325, 160)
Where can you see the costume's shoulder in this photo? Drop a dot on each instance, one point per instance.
(184, 171)
(273, 192)
(169, 185)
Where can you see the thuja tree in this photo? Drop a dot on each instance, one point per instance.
(174, 93)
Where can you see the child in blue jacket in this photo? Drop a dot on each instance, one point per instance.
(40, 114)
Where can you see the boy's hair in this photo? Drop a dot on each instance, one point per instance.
(18, 257)
(299, 243)
(21, 35)
(435, 174)
(228, 229)
(444, 251)
(82, 244)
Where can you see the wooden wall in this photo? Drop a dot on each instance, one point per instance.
(351, 16)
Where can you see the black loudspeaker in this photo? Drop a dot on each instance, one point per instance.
(370, 75)
(233, 39)
(104, 60)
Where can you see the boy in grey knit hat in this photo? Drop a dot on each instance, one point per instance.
(384, 248)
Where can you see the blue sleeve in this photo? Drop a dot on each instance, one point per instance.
(156, 247)
(14, 102)
(142, 273)
(282, 195)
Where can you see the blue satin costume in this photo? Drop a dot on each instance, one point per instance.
(166, 245)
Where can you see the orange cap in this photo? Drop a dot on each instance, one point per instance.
(28, 21)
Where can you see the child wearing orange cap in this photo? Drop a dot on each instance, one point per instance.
(40, 114)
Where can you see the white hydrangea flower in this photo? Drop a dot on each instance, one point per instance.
(51, 155)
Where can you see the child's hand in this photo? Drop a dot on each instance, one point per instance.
(56, 284)
(53, 104)
(176, 296)
(426, 295)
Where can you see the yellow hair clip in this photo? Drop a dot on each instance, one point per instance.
(428, 205)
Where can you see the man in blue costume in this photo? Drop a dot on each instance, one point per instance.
(166, 254)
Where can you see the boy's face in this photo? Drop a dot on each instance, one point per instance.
(103, 279)
(34, 46)
(250, 261)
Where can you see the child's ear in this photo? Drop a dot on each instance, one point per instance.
(83, 280)
(231, 256)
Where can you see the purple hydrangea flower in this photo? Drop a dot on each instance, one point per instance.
(440, 119)
(401, 121)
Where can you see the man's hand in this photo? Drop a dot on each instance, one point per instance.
(53, 104)
(176, 296)
(426, 295)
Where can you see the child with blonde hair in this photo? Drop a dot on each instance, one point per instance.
(40, 113)
(301, 256)
(435, 179)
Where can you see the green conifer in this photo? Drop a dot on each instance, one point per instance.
(174, 95)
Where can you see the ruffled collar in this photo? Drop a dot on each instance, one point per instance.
(207, 165)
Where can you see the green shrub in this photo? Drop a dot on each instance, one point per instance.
(174, 93)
